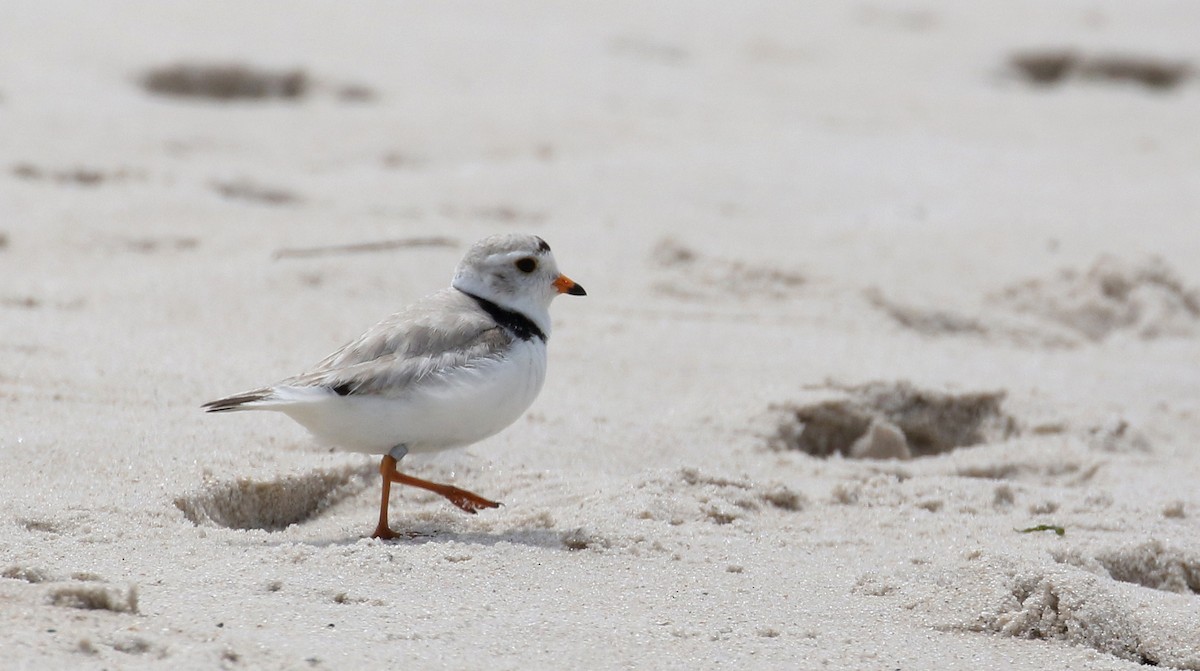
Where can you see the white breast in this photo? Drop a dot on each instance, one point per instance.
(454, 409)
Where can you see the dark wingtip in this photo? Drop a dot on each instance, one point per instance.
(543, 246)
(216, 406)
(235, 402)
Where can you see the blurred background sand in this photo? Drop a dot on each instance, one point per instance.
(872, 286)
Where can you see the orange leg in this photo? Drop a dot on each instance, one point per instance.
(467, 501)
(382, 530)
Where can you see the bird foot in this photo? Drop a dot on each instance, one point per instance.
(467, 501)
(386, 534)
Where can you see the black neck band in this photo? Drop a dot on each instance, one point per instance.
(520, 325)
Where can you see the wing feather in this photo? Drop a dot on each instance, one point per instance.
(446, 330)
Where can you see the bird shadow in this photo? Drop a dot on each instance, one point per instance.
(549, 539)
(540, 537)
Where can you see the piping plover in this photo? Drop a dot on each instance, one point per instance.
(447, 371)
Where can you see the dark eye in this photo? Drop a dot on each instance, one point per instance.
(527, 264)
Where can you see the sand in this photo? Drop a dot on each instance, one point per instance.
(890, 357)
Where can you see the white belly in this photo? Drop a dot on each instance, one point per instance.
(452, 410)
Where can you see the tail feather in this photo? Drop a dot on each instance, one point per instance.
(243, 401)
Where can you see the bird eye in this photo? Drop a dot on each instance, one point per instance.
(527, 264)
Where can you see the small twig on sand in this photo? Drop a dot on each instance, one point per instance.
(361, 247)
(1043, 527)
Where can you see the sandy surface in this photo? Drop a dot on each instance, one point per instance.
(863, 302)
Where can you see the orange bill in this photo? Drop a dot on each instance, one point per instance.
(566, 285)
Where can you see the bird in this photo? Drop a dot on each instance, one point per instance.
(447, 371)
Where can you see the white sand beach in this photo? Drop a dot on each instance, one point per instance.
(890, 357)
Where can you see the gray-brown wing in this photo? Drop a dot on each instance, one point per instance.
(446, 329)
(439, 322)
(393, 373)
